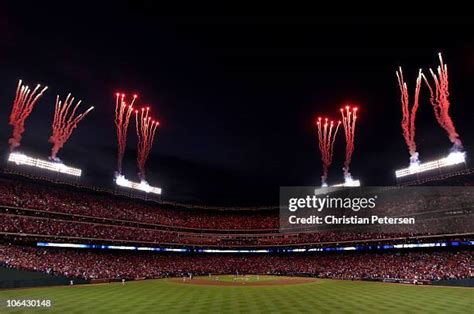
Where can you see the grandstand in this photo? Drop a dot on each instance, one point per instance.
(63, 223)
(94, 265)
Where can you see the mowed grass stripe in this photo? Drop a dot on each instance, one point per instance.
(323, 296)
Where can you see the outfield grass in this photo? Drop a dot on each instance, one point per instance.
(327, 296)
(245, 278)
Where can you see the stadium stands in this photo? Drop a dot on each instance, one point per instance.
(95, 264)
(29, 226)
(31, 212)
(37, 196)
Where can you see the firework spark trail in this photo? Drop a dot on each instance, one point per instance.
(408, 120)
(23, 104)
(326, 138)
(64, 123)
(440, 101)
(349, 118)
(146, 129)
(123, 112)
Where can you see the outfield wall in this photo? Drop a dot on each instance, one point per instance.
(15, 278)
(468, 282)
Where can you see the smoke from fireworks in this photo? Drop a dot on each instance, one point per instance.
(23, 104)
(122, 119)
(64, 123)
(408, 120)
(146, 129)
(349, 118)
(326, 136)
(440, 101)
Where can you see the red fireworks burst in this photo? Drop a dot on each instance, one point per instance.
(64, 123)
(146, 129)
(440, 101)
(123, 110)
(326, 136)
(349, 118)
(23, 104)
(408, 120)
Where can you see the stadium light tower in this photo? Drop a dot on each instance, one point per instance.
(349, 182)
(142, 186)
(452, 159)
(56, 166)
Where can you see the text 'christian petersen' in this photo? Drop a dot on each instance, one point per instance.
(351, 220)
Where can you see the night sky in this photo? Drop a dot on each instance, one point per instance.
(237, 97)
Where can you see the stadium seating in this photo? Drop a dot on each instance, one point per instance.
(29, 210)
(97, 264)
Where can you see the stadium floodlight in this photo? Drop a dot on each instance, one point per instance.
(142, 186)
(348, 183)
(22, 159)
(453, 158)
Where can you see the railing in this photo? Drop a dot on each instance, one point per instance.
(30, 237)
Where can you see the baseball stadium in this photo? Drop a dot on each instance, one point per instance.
(234, 165)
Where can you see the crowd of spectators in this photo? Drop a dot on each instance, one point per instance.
(63, 213)
(67, 214)
(66, 200)
(64, 229)
(47, 198)
(112, 265)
